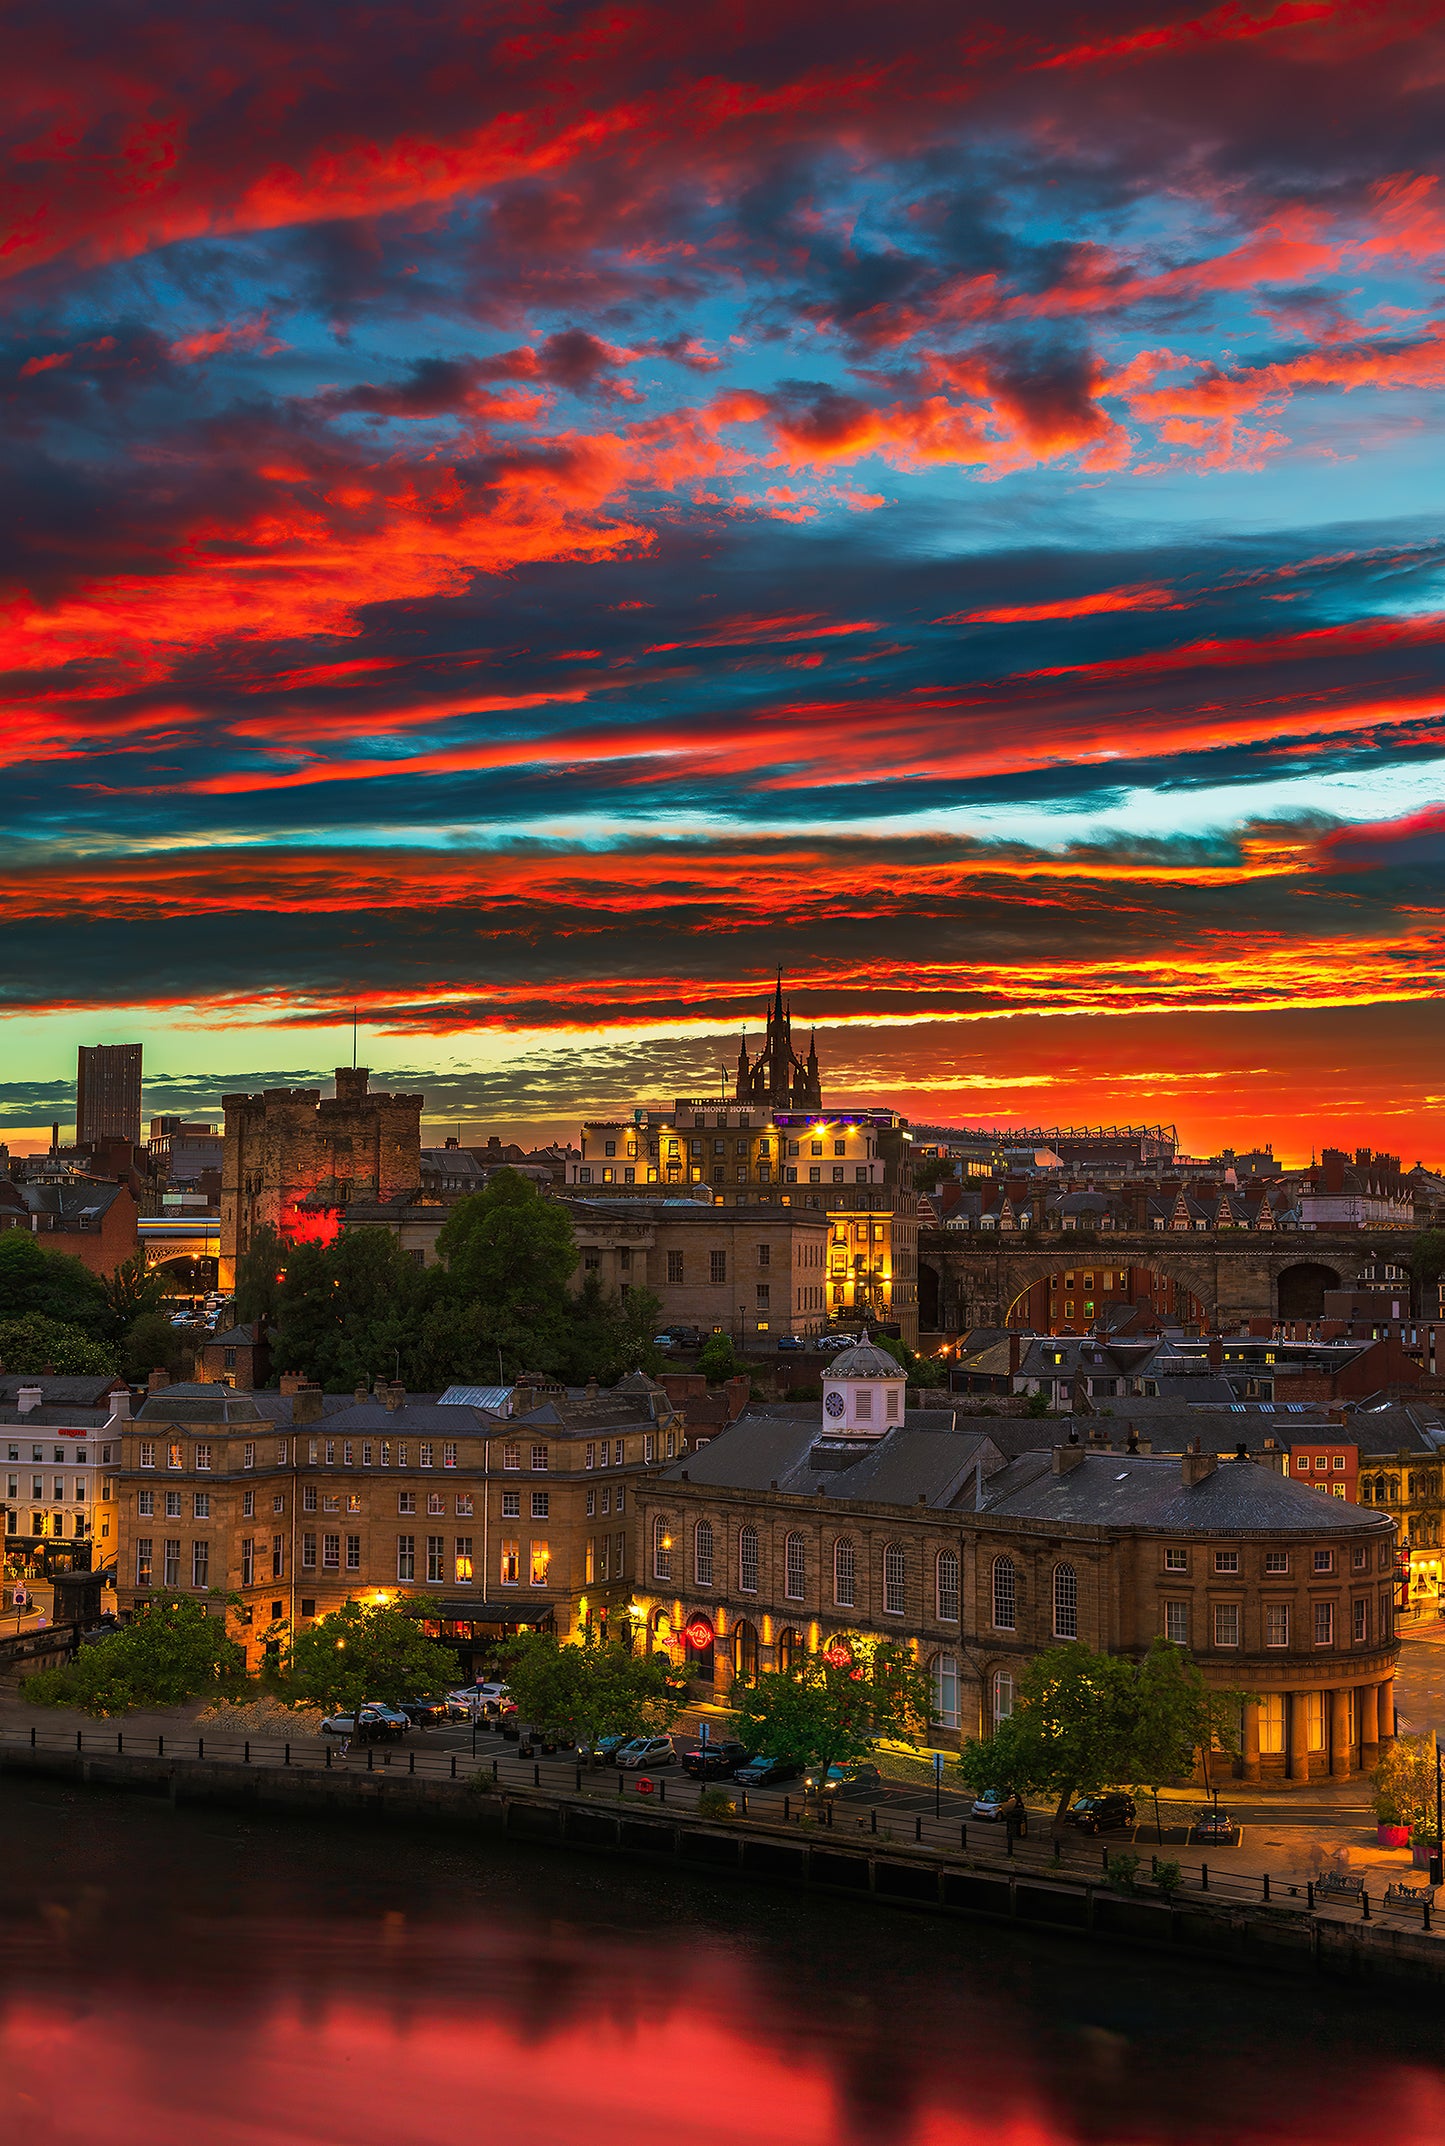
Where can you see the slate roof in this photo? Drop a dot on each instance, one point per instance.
(87, 1391)
(411, 1417)
(1128, 1490)
(56, 1416)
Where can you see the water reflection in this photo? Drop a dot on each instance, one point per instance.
(219, 1981)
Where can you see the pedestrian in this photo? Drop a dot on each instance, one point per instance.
(1017, 1818)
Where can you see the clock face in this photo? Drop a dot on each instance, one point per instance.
(834, 1404)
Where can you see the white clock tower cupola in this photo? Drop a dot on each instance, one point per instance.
(863, 1393)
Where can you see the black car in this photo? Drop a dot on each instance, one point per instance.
(423, 1713)
(714, 1762)
(759, 1771)
(1216, 1826)
(1100, 1814)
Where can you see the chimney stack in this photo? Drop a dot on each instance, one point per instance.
(1015, 1354)
(1067, 1458)
(157, 1379)
(395, 1396)
(305, 1402)
(28, 1398)
(360, 1396)
(1196, 1464)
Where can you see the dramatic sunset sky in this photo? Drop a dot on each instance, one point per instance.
(525, 516)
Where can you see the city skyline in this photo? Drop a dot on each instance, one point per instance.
(524, 533)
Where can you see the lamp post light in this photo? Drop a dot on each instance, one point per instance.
(1437, 1857)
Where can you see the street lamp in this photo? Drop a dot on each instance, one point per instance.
(1437, 1857)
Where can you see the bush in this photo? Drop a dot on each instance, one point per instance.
(717, 1360)
(168, 1653)
(1168, 1877)
(716, 1803)
(1122, 1871)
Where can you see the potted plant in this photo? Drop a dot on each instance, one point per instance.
(1388, 1830)
(1404, 1785)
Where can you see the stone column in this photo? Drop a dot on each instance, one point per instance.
(1251, 1742)
(1385, 1706)
(1340, 1753)
(1299, 1757)
(1365, 1703)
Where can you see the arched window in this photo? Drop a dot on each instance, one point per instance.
(661, 1547)
(895, 1575)
(1003, 1695)
(702, 1553)
(794, 1568)
(745, 1651)
(748, 1560)
(1066, 1602)
(790, 1648)
(844, 1570)
(1005, 1594)
(1367, 1490)
(946, 1586)
(943, 1677)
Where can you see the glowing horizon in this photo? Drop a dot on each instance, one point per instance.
(526, 531)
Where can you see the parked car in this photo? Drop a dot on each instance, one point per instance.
(374, 1723)
(713, 1762)
(993, 1805)
(643, 1751)
(686, 1337)
(424, 1713)
(791, 1341)
(663, 1341)
(1216, 1826)
(1098, 1814)
(762, 1769)
(604, 1751)
(862, 1779)
(830, 1344)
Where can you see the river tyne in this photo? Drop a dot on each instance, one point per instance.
(199, 1978)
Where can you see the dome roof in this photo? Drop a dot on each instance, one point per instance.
(865, 1360)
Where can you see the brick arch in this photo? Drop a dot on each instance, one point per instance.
(1028, 1312)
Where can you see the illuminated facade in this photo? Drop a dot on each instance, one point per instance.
(854, 1166)
(778, 1537)
(744, 1271)
(294, 1160)
(516, 1516)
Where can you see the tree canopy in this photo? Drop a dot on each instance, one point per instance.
(170, 1651)
(35, 1343)
(35, 1283)
(593, 1688)
(368, 1650)
(834, 1705)
(1084, 1721)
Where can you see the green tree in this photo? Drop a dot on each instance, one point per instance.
(367, 1650)
(1177, 1716)
(346, 1312)
(929, 1171)
(153, 1344)
(1404, 1785)
(1427, 1259)
(131, 1292)
(50, 1285)
(36, 1343)
(592, 1688)
(1070, 1732)
(508, 1245)
(260, 1274)
(834, 1705)
(170, 1651)
(718, 1360)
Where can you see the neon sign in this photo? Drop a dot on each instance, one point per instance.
(698, 1633)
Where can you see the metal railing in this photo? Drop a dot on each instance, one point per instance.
(1129, 1864)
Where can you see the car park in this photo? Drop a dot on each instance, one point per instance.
(714, 1761)
(761, 1770)
(643, 1751)
(860, 1779)
(1099, 1814)
(373, 1723)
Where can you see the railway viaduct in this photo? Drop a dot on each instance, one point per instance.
(969, 1278)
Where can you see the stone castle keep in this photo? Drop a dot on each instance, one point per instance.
(294, 1159)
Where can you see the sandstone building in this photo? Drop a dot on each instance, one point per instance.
(788, 1528)
(295, 1160)
(516, 1514)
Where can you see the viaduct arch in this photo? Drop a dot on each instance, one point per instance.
(970, 1278)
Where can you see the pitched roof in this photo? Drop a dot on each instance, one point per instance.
(1128, 1490)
